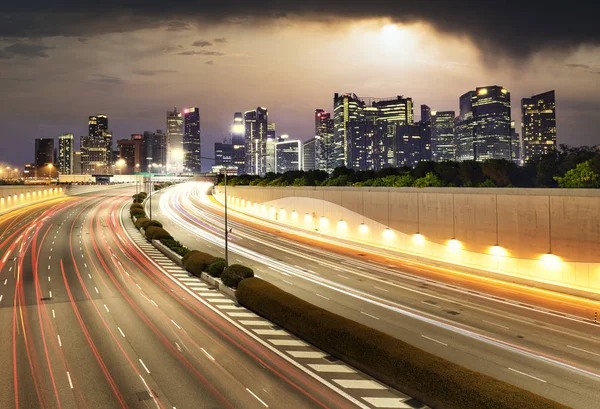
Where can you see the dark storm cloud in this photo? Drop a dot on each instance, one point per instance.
(25, 50)
(211, 53)
(202, 43)
(510, 27)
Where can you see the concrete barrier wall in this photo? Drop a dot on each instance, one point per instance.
(547, 235)
(13, 197)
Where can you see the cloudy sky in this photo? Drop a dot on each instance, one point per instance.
(64, 60)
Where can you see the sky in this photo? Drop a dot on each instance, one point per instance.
(63, 61)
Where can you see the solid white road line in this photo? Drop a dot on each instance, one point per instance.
(257, 398)
(434, 340)
(531, 376)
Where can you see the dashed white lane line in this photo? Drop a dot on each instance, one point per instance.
(59, 341)
(155, 304)
(96, 288)
(358, 384)
(70, 381)
(1, 296)
(430, 304)
(287, 282)
(525, 374)
(90, 276)
(497, 325)
(121, 331)
(85, 265)
(344, 277)
(582, 350)
(5, 281)
(207, 354)
(49, 257)
(144, 365)
(106, 308)
(53, 314)
(322, 296)
(332, 368)
(50, 294)
(257, 398)
(381, 289)
(434, 340)
(48, 278)
(176, 324)
(48, 267)
(138, 286)
(369, 315)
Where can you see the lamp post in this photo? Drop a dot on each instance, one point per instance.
(150, 184)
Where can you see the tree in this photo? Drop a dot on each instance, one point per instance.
(429, 180)
(582, 176)
(471, 173)
(499, 171)
(449, 173)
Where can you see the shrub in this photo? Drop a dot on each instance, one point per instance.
(198, 262)
(149, 223)
(431, 379)
(234, 274)
(215, 269)
(137, 213)
(143, 194)
(139, 222)
(176, 246)
(189, 255)
(136, 206)
(157, 233)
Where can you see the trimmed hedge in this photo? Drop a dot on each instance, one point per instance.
(176, 246)
(157, 233)
(137, 213)
(189, 255)
(136, 206)
(198, 262)
(139, 222)
(431, 379)
(215, 269)
(149, 223)
(235, 273)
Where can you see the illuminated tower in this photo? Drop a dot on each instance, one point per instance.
(539, 125)
(174, 141)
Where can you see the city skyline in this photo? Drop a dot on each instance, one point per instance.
(429, 61)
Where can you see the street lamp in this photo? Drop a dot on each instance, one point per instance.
(226, 169)
(150, 184)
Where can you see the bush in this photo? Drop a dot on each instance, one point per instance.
(234, 274)
(189, 255)
(136, 206)
(176, 246)
(157, 233)
(139, 222)
(137, 213)
(149, 223)
(431, 379)
(215, 269)
(198, 262)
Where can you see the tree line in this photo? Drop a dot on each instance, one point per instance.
(565, 167)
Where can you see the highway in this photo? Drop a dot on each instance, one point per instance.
(90, 321)
(539, 340)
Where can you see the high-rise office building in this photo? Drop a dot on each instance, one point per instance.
(238, 155)
(77, 163)
(515, 145)
(538, 125)
(192, 162)
(425, 132)
(96, 147)
(324, 143)
(133, 153)
(174, 141)
(442, 136)
(44, 153)
(66, 149)
(311, 154)
(288, 156)
(272, 139)
(483, 128)
(155, 147)
(408, 145)
(255, 128)
(347, 116)
(223, 154)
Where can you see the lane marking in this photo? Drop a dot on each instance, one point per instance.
(96, 288)
(207, 354)
(382, 289)
(257, 398)
(59, 341)
(177, 325)
(583, 350)
(430, 304)
(369, 315)
(144, 365)
(106, 308)
(344, 277)
(498, 325)
(50, 294)
(70, 382)
(322, 296)
(53, 314)
(525, 374)
(121, 331)
(434, 340)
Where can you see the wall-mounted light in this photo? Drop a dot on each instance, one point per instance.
(342, 226)
(454, 244)
(418, 238)
(323, 222)
(294, 215)
(498, 251)
(551, 260)
(282, 213)
(363, 228)
(389, 234)
(307, 218)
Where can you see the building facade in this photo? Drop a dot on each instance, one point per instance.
(288, 156)
(255, 129)
(174, 141)
(192, 162)
(96, 147)
(442, 136)
(324, 135)
(223, 154)
(132, 152)
(238, 155)
(44, 152)
(66, 150)
(538, 125)
(311, 154)
(155, 147)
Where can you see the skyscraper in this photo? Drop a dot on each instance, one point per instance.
(132, 152)
(442, 136)
(538, 125)
(223, 154)
(255, 128)
(311, 154)
(192, 162)
(425, 132)
(66, 148)
(347, 116)
(238, 156)
(96, 147)
(44, 152)
(155, 147)
(174, 141)
(288, 156)
(484, 124)
(324, 141)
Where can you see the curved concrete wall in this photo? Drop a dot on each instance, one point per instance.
(12, 197)
(510, 231)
